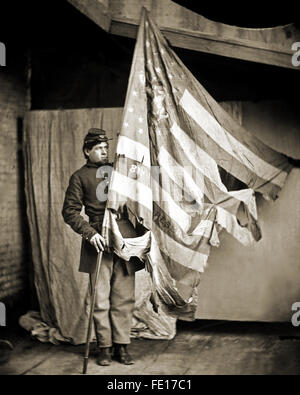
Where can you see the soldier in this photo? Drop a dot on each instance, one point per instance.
(115, 293)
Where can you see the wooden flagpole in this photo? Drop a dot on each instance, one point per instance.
(94, 287)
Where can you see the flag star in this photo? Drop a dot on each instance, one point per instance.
(149, 61)
(158, 69)
(140, 131)
(146, 23)
(170, 76)
(140, 119)
(147, 44)
(130, 109)
(126, 124)
(162, 51)
(134, 93)
(158, 131)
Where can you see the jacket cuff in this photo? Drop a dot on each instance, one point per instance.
(88, 234)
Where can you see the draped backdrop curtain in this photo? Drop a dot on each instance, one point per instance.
(53, 151)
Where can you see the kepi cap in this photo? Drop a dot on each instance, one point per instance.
(96, 135)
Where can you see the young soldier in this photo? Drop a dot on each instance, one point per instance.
(115, 293)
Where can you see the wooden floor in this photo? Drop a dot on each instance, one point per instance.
(199, 348)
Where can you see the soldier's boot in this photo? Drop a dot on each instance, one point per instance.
(122, 355)
(104, 356)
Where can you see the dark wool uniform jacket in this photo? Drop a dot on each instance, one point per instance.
(82, 191)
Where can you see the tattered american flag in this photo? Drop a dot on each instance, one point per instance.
(175, 143)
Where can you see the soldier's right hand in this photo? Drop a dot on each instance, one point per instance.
(98, 242)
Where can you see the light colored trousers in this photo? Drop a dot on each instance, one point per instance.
(115, 299)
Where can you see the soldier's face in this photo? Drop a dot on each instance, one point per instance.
(98, 154)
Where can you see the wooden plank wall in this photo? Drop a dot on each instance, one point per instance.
(96, 10)
(186, 29)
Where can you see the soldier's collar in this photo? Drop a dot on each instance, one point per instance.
(91, 164)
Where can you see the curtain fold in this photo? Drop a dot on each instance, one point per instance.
(53, 151)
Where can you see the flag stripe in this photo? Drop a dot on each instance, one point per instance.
(203, 228)
(133, 150)
(186, 280)
(132, 189)
(180, 175)
(230, 223)
(208, 167)
(134, 170)
(229, 202)
(178, 215)
(170, 206)
(235, 129)
(225, 160)
(229, 143)
(180, 272)
(198, 157)
(142, 213)
(192, 259)
(168, 226)
(163, 197)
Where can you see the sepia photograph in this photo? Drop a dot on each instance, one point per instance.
(149, 191)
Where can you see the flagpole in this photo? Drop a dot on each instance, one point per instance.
(93, 299)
